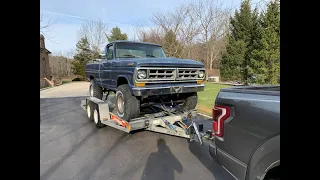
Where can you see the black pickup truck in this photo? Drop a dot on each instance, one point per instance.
(246, 126)
(140, 74)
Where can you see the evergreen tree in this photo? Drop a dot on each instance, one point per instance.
(117, 35)
(234, 64)
(255, 67)
(231, 62)
(266, 57)
(82, 57)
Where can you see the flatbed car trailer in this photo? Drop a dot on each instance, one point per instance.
(173, 123)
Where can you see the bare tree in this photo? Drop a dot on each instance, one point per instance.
(69, 54)
(199, 26)
(213, 19)
(145, 33)
(178, 22)
(95, 32)
(46, 27)
(60, 66)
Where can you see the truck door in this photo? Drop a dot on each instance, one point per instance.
(105, 67)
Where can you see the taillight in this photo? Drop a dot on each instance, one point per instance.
(219, 115)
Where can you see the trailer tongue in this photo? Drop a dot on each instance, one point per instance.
(173, 122)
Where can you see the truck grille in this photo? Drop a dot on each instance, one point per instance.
(162, 74)
(158, 74)
(187, 74)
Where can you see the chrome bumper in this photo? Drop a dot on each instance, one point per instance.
(145, 91)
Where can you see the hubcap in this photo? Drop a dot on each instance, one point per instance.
(95, 116)
(91, 90)
(120, 103)
(88, 111)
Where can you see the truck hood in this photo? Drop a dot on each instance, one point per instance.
(166, 62)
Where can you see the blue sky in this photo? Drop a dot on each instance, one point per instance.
(68, 16)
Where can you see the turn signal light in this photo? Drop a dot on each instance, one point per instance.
(199, 81)
(142, 84)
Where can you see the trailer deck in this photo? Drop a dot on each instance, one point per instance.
(173, 123)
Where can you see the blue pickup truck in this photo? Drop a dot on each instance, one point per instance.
(140, 74)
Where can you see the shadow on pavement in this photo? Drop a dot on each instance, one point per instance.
(92, 170)
(202, 153)
(161, 164)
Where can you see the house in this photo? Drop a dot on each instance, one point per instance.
(44, 64)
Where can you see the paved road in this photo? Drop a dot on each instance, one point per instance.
(74, 89)
(72, 148)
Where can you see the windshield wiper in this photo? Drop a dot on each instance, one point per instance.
(150, 56)
(129, 55)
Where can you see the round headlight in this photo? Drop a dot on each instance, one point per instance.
(142, 74)
(201, 74)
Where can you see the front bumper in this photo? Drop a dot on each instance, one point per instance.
(172, 89)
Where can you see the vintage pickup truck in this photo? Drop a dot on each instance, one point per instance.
(139, 73)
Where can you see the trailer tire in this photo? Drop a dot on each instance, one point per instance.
(94, 90)
(96, 117)
(127, 105)
(190, 102)
(90, 110)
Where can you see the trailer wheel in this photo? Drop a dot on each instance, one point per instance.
(127, 106)
(190, 102)
(96, 117)
(94, 90)
(90, 110)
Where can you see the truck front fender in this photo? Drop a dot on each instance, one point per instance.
(266, 156)
(123, 77)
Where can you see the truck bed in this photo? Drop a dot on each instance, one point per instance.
(262, 90)
(254, 120)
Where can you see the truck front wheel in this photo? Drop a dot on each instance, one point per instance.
(190, 102)
(127, 106)
(94, 90)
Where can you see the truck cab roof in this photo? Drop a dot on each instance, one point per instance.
(137, 42)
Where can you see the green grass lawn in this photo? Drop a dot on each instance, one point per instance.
(207, 97)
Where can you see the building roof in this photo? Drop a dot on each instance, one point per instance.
(43, 48)
(138, 42)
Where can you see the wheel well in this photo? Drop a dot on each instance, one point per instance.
(121, 80)
(273, 173)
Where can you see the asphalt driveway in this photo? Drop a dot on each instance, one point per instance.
(72, 148)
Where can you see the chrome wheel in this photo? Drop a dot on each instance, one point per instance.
(90, 90)
(95, 116)
(120, 103)
(88, 111)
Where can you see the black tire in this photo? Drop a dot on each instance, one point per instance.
(94, 90)
(130, 107)
(90, 110)
(190, 102)
(96, 117)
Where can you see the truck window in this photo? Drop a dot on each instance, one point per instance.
(136, 50)
(110, 52)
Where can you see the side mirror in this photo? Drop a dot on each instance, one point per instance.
(96, 60)
(102, 56)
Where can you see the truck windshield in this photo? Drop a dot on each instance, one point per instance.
(136, 50)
